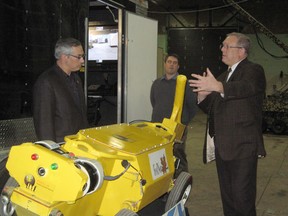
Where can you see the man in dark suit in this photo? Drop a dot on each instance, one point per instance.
(233, 102)
(58, 98)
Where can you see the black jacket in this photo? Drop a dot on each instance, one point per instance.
(58, 108)
(238, 115)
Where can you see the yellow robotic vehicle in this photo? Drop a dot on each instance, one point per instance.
(110, 170)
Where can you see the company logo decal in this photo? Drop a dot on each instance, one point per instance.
(30, 182)
(158, 163)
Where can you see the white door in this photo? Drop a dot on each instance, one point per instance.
(140, 66)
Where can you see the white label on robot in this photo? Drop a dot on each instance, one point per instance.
(158, 163)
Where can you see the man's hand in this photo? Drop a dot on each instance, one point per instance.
(201, 95)
(205, 84)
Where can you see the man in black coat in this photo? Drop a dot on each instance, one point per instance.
(234, 105)
(58, 99)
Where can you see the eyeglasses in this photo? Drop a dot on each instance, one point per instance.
(229, 47)
(78, 57)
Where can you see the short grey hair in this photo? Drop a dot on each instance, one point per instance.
(64, 46)
(243, 40)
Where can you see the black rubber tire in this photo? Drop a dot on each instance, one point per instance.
(278, 127)
(126, 212)
(180, 191)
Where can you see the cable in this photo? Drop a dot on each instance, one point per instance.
(195, 11)
(260, 43)
(115, 20)
(112, 178)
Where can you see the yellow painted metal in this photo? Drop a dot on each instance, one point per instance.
(174, 123)
(48, 187)
(52, 180)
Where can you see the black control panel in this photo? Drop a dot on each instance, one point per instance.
(107, 66)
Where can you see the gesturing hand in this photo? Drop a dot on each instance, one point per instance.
(206, 83)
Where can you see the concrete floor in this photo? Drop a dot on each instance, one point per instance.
(272, 188)
(272, 191)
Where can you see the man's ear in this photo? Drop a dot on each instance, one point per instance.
(63, 56)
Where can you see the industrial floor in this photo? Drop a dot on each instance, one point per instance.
(272, 190)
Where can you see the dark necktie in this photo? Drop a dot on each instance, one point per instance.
(211, 122)
(229, 71)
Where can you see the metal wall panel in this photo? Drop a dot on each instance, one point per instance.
(16, 131)
(30, 30)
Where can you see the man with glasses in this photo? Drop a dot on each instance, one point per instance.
(233, 103)
(58, 99)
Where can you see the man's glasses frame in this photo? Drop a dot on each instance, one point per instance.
(78, 57)
(229, 47)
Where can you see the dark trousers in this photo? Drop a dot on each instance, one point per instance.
(237, 180)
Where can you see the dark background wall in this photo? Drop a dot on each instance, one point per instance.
(29, 31)
(194, 29)
(198, 48)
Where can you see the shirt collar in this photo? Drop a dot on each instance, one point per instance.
(233, 67)
(59, 69)
(173, 78)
